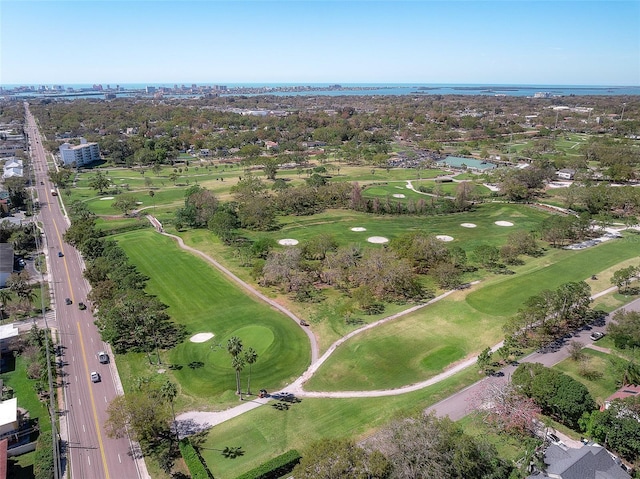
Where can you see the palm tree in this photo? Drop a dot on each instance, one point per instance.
(250, 357)
(169, 391)
(238, 365)
(234, 348)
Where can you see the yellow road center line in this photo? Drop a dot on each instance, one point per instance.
(93, 406)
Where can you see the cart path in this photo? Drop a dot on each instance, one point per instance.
(251, 289)
(193, 421)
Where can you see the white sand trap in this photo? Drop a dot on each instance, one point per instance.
(399, 195)
(107, 198)
(468, 225)
(444, 237)
(400, 187)
(201, 337)
(358, 228)
(504, 223)
(138, 202)
(288, 242)
(377, 239)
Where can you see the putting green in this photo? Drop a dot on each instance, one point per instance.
(203, 299)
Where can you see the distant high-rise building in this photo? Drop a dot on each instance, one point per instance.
(150, 89)
(79, 155)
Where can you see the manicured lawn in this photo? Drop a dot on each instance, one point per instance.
(15, 376)
(600, 388)
(266, 432)
(339, 223)
(203, 300)
(408, 349)
(505, 296)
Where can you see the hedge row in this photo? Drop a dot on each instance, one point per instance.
(274, 468)
(191, 457)
(43, 464)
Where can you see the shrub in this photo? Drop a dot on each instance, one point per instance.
(43, 463)
(192, 459)
(274, 468)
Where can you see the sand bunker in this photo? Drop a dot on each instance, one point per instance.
(107, 198)
(467, 225)
(444, 237)
(358, 228)
(288, 242)
(399, 195)
(504, 223)
(377, 239)
(201, 337)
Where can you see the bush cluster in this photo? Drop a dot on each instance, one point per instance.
(274, 468)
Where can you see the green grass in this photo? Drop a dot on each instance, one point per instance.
(600, 388)
(15, 376)
(266, 432)
(339, 223)
(509, 447)
(408, 349)
(203, 300)
(21, 467)
(506, 295)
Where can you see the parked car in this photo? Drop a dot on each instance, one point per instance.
(596, 335)
(95, 377)
(67, 301)
(103, 357)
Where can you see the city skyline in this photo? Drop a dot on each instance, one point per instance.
(459, 42)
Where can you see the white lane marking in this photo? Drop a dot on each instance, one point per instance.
(83, 428)
(119, 458)
(89, 460)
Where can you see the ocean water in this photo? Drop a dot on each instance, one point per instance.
(398, 89)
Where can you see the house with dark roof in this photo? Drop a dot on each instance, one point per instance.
(588, 462)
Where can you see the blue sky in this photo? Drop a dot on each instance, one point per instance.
(314, 41)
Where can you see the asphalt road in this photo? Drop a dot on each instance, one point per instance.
(90, 453)
(460, 404)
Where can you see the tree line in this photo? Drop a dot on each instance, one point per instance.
(127, 317)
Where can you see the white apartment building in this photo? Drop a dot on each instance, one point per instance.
(79, 155)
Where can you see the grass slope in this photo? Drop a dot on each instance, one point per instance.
(203, 300)
(504, 297)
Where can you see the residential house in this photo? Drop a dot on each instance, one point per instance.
(588, 462)
(7, 332)
(8, 417)
(12, 168)
(566, 174)
(622, 393)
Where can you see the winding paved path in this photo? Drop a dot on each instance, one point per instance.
(312, 339)
(456, 406)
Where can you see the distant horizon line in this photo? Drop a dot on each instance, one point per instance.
(327, 83)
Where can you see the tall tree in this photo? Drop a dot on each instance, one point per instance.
(250, 357)
(234, 348)
(99, 182)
